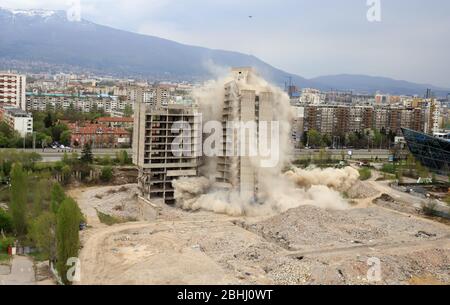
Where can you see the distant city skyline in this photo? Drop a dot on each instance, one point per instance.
(308, 38)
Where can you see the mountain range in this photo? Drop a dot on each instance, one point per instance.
(43, 39)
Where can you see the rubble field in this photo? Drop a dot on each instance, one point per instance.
(118, 201)
(306, 245)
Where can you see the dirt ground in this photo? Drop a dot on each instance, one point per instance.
(306, 245)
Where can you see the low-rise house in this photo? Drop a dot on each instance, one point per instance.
(117, 122)
(99, 136)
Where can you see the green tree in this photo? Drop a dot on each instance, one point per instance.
(38, 198)
(66, 138)
(5, 129)
(42, 233)
(57, 131)
(49, 120)
(19, 199)
(377, 138)
(314, 138)
(66, 159)
(128, 112)
(122, 157)
(74, 158)
(66, 172)
(6, 224)
(43, 139)
(107, 174)
(326, 140)
(57, 197)
(106, 160)
(410, 164)
(86, 154)
(67, 238)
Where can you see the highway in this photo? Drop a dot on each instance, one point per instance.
(359, 154)
(52, 155)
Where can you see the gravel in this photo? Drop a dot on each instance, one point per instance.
(361, 190)
(119, 201)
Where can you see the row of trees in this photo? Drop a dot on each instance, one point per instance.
(73, 115)
(47, 220)
(366, 139)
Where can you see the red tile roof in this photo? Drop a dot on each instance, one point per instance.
(115, 120)
(90, 129)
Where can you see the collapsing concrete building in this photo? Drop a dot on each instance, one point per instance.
(156, 129)
(249, 121)
(243, 103)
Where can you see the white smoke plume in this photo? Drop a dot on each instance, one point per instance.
(338, 179)
(277, 192)
(321, 188)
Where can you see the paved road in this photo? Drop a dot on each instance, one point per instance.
(22, 272)
(52, 155)
(382, 154)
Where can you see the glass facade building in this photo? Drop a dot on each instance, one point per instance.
(432, 152)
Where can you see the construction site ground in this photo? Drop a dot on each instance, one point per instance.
(306, 245)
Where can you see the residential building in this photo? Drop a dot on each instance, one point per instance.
(116, 122)
(159, 94)
(158, 161)
(298, 125)
(245, 104)
(17, 119)
(85, 103)
(339, 120)
(12, 89)
(99, 136)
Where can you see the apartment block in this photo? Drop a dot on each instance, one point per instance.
(245, 104)
(17, 119)
(338, 120)
(159, 94)
(85, 103)
(158, 160)
(12, 89)
(297, 125)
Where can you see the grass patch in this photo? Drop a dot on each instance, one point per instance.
(112, 220)
(365, 174)
(4, 259)
(385, 177)
(389, 169)
(39, 257)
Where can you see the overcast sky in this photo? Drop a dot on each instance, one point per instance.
(306, 37)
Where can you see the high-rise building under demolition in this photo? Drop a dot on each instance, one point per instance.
(156, 129)
(244, 102)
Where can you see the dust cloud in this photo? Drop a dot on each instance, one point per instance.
(277, 192)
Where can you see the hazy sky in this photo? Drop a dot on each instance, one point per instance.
(306, 37)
